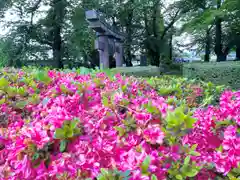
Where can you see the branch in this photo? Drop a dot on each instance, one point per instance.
(42, 39)
(35, 6)
(170, 24)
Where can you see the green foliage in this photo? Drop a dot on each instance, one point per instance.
(113, 175)
(178, 120)
(183, 88)
(68, 130)
(223, 73)
(145, 165)
(129, 125)
(142, 71)
(153, 177)
(63, 145)
(188, 169)
(4, 57)
(105, 101)
(202, 20)
(3, 83)
(151, 109)
(42, 76)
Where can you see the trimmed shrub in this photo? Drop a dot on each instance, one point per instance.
(225, 73)
(138, 71)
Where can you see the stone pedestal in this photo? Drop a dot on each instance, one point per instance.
(119, 54)
(106, 39)
(103, 51)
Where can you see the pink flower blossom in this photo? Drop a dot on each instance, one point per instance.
(100, 144)
(153, 134)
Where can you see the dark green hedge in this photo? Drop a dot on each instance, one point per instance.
(222, 73)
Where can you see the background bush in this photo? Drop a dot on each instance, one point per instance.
(223, 73)
(138, 71)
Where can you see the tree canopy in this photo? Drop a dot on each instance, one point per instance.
(56, 30)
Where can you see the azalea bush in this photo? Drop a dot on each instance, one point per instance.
(67, 125)
(191, 92)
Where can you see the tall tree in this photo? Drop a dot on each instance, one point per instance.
(158, 23)
(57, 13)
(221, 56)
(231, 9)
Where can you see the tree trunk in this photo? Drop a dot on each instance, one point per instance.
(129, 32)
(218, 40)
(207, 46)
(238, 52)
(58, 7)
(147, 34)
(171, 47)
(156, 34)
(10, 62)
(57, 48)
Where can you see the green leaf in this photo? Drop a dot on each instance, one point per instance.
(2, 101)
(64, 89)
(21, 91)
(63, 145)
(21, 104)
(101, 177)
(187, 160)
(105, 101)
(104, 171)
(124, 102)
(84, 70)
(35, 156)
(35, 99)
(153, 177)
(145, 165)
(194, 153)
(43, 77)
(179, 177)
(121, 131)
(151, 108)
(68, 132)
(77, 131)
(192, 172)
(172, 120)
(220, 148)
(73, 123)
(236, 170)
(124, 88)
(224, 123)
(189, 121)
(59, 134)
(12, 91)
(194, 147)
(3, 83)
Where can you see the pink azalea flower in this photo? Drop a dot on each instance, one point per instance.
(153, 134)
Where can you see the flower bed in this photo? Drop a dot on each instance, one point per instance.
(57, 125)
